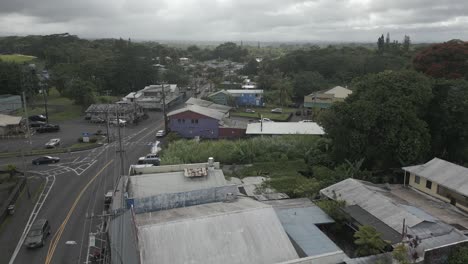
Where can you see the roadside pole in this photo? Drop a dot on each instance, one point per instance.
(164, 108)
(27, 118)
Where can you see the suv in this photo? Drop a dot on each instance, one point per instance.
(39, 231)
(150, 159)
(48, 128)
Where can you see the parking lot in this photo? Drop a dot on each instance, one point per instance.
(70, 132)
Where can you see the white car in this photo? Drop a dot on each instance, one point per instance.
(160, 133)
(55, 142)
(265, 120)
(277, 110)
(120, 122)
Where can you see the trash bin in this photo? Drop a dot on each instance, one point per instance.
(11, 209)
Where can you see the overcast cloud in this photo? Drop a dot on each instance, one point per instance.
(248, 20)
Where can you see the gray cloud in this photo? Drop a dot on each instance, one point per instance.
(264, 20)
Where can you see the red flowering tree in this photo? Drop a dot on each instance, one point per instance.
(446, 60)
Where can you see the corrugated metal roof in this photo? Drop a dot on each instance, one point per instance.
(208, 104)
(123, 239)
(299, 223)
(432, 231)
(244, 91)
(447, 174)
(172, 182)
(355, 192)
(199, 110)
(339, 92)
(284, 128)
(243, 231)
(6, 120)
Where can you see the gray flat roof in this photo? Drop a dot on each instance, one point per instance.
(284, 128)
(147, 185)
(447, 174)
(243, 231)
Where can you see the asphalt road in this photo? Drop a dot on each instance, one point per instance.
(76, 198)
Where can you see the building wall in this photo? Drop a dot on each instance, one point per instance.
(433, 191)
(220, 98)
(186, 126)
(182, 199)
(226, 132)
(249, 100)
(10, 103)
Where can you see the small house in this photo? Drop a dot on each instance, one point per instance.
(325, 99)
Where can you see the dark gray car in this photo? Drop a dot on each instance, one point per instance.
(39, 231)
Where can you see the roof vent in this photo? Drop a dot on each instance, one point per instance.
(196, 172)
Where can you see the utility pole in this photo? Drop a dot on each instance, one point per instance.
(164, 108)
(121, 150)
(45, 103)
(27, 119)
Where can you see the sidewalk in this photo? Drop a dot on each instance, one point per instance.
(12, 228)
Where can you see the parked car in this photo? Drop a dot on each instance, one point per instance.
(45, 160)
(306, 121)
(160, 133)
(150, 159)
(38, 233)
(37, 123)
(277, 110)
(96, 119)
(41, 118)
(48, 128)
(249, 110)
(53, 143)
(265, 120)
(298, 112)
(116, 122)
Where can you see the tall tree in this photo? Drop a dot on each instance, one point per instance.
(369, 241)
(406, 43)
(382, 121)
(381, 44)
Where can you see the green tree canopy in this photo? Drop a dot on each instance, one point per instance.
(459, 256)
(369, 241)
(382, 121)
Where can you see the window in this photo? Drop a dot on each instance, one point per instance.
(179, 121)
(417, 179)
(196, 121)
(429, 185)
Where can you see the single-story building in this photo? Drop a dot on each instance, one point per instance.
(324, 99)
(247, 97)
(441, 179)
(198, 121)
(10, 103)
(208, 104)
(221, 97)
(151, 97)
(394, 218)
(11, 125)
(130, 112)
(284, 128)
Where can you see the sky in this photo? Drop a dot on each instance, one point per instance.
(236, 20)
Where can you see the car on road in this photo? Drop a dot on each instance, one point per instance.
(150, 159)
(37, 123)
(41, 118)
(53, 143)
(108, 199)
(48, 128)
(265, 120)
(277, 110)
(160, 133)
(96, 119)
(249, 110)
(38, 233)
(298, 112)
(45, 160)
(116, 122)
(306, 121)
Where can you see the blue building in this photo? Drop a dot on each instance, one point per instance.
(247, 97)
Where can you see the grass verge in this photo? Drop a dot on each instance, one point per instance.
(17, 58)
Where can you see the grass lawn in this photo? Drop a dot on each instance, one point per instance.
(18, 58)
(59, 108)
(265, 112)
